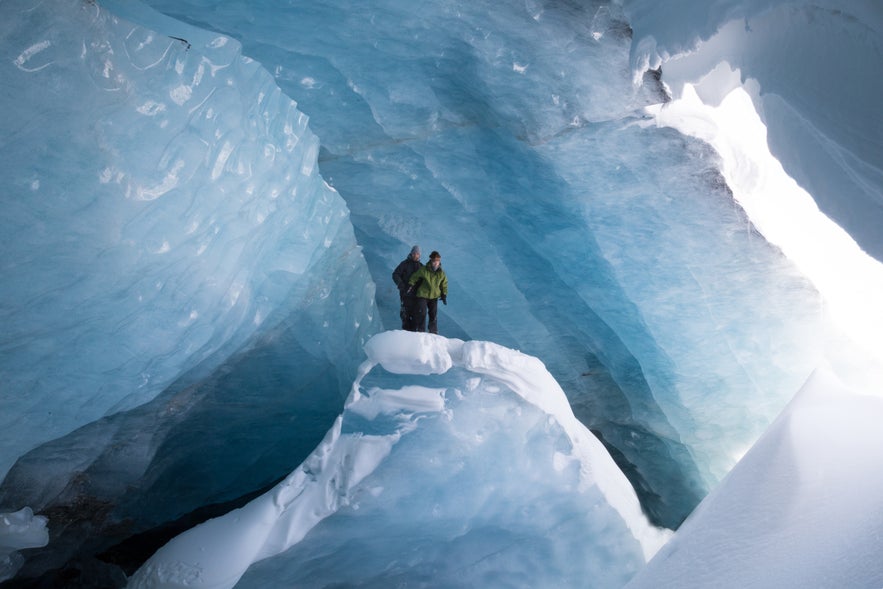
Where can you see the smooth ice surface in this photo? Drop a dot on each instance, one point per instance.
(802, 509)
(162, 205)
(499, 430)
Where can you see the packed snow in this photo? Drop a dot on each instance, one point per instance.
(802, 509)
(19, 530)
(340, 474)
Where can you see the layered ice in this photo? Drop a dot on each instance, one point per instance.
(164, 226)
(538, 499)
(162, 205)
(569, 229)
(186, 298)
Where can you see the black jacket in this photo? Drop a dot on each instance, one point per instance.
(403, 272)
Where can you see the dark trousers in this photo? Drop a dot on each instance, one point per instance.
(425, 306)
(409, 314)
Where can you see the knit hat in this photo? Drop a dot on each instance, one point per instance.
(434, 255)
(415, 250)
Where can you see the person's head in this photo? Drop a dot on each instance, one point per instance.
(435, 259)
(415, 253)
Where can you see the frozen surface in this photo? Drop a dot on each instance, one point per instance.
(192, 268)
(802, 509)
(569, 230)
(162, 204)
(498, 429)
(813, 70)
(19, 530)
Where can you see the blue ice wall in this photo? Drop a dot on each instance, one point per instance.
(511, 138)
(190, 272)
(164, 224)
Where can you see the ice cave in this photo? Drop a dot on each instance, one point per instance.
(660, 359)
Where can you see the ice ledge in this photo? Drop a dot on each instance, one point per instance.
(18, 530)
(217, 553)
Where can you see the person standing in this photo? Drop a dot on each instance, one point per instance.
(400, 276)
(429, 283)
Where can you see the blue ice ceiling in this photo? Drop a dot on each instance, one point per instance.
(203, 203)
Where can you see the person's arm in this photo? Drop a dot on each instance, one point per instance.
(415, 279)
(398, 276)
(444, 289)
(416, 276)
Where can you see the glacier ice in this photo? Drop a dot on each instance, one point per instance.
(812, 65)
(186, 297)
(562, 193)
(19, 530)
(157, 225)
(801, 509)
(164, 223)
(496, 429)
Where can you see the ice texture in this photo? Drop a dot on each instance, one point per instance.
(570, 230)
(498, 429)
(162, 204)
(193, 270)
(18, 530)
(812, 67)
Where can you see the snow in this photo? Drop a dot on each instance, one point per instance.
(19, 530)
(217, 553)
(802, 509)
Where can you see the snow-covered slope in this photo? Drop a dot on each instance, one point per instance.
(802, 509)
(498, 429)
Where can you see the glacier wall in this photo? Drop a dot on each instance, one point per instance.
(164, 226)
(162, 204)
(571, 229)
(187, 298)
(810, 68)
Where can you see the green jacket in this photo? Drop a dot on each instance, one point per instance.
(433, 285)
